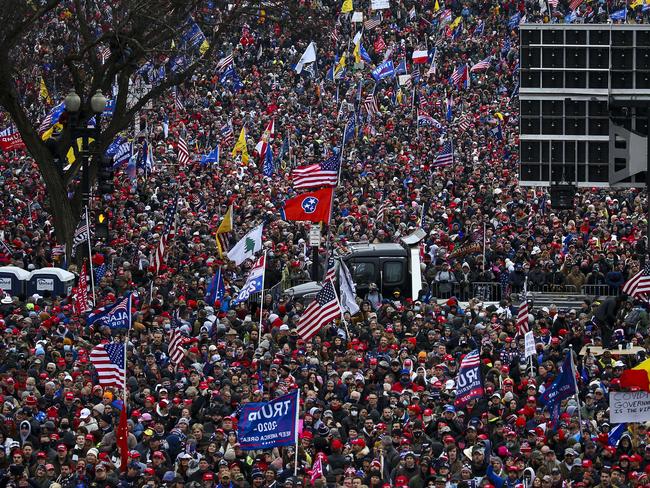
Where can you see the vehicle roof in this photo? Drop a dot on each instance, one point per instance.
(373, 250)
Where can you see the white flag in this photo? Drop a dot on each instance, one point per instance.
(247, 246)
(309, 56)
(348, 290)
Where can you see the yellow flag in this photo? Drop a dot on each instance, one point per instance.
(347, 6)
(70, 156)
(240, 147)
(356, 52)
(45, 95)
(455, 23)
(224, 227)
(436, 7)
(636, 3)
(340, 66)
(205, 45)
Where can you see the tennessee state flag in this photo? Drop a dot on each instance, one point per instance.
(313, 206)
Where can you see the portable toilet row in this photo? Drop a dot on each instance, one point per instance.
(54, 282)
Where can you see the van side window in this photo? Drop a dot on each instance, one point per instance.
(363, 273)
(393, 272)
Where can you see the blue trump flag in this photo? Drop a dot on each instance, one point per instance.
(562, 388)
(116, 316)
(211, 157)
(469, 385)
(615, 434)
(384, 70)
(266, 425)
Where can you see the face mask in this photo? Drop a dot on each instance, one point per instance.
(354, 413)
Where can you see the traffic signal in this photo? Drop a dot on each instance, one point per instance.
(101, 225)
(105, 178)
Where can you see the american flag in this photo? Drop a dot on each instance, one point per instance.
(104, 54)
(58, 250)
(381, 213)
(325, 173)
(335, 36)
(178, 104)
(446, 156)
(320, 312)
(225, 62)
(459, 75)
(575, 4)
(371, 104)
(175, 350)
(168, 227)
(553, 3)
(481, 65)
(639, 284)
(109, 362)
(81, 234)
(100, 271)
(372, 23)
(183, 153)
(464, 123)
(471, 360)
(412, 13)
(330, 272)
(51, 118)
(227, 134)
(522, 318)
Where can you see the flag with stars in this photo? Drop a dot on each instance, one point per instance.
(325, 173)
(168, 230)
(320, 312)
(639, 284)
(109, 363)
(100, 271)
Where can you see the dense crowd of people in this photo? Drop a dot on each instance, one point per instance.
(377, 388)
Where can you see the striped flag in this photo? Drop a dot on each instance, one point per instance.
(81, 234)
(319, 313)
(325, 173)
(175, 349)
(481, 65)
(168, 228)
(178, 105)
(183, 152)
(522, 318)
(109, 362)
(370, 104)
(575, 4)
(80, 293)
(381, 213)
(100, 271)
(639, 284)
(225, 62)
(371, 23)
(330, 272)
(104, 54)
(553, 3)
(464, 123)
(446, 156)
(227, 134)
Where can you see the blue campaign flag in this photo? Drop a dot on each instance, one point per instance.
(401, 68)
(562, 388)
(211, 157)
(364, 54)
(216, 290)
(468, 382)
(269, 167)
(450, 108)
(383, 70)
(114, 146)
(110, 106)
(265, 425)
(349, 128)
(619, 14)
(615, 434)
(513, 23)
(116, 316)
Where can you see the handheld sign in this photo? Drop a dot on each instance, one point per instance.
(265, 425)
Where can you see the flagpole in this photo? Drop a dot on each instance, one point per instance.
(259, 335)
(295, 461)
(575, 383)
(90, 258)
(484, 241)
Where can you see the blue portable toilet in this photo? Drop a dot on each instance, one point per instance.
(12, 280)
(55, 282)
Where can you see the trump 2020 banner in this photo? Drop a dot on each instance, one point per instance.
(271, 424)
(468, 381)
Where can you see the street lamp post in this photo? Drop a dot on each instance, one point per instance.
(81, 130)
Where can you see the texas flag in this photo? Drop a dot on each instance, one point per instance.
(313, 206)
(263, 145)
(420, 56)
